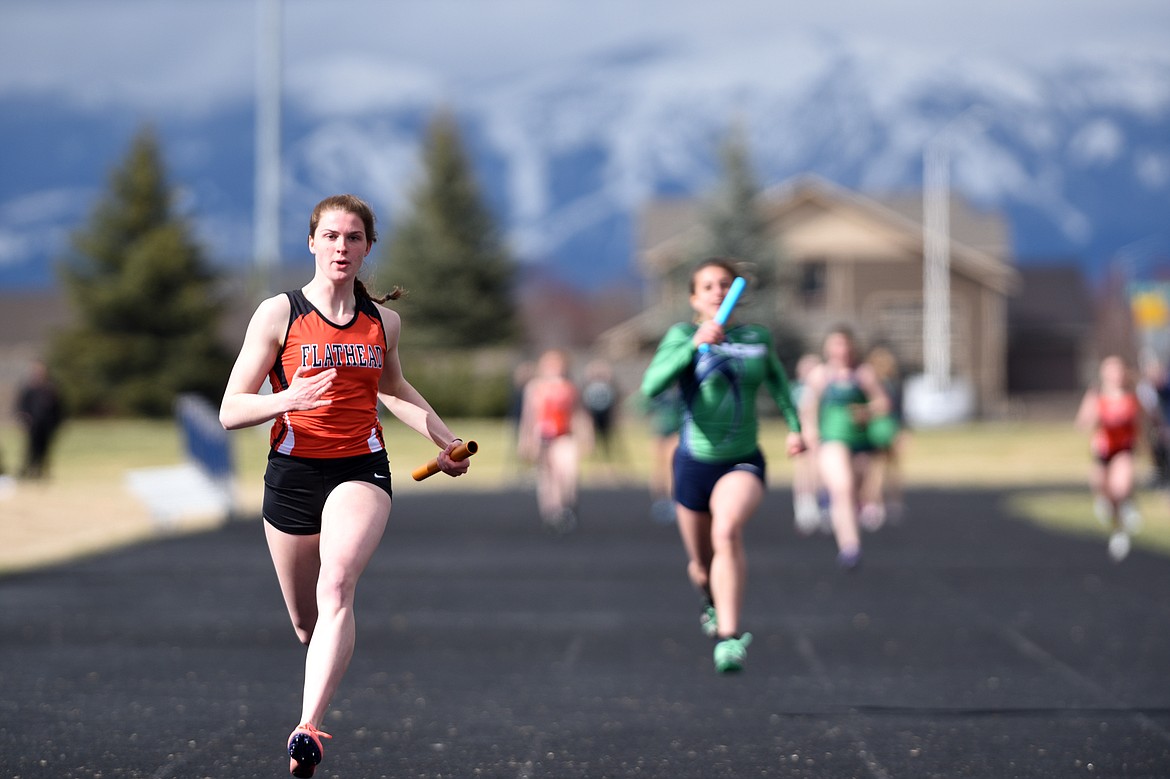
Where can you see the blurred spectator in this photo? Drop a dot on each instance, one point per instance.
(882, 491)
(521, 375)
(664, 411)
(1153, 390)
(600, 396)
(805, 481)
(40, 413)
(5, 480)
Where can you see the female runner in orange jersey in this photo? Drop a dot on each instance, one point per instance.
(1113, 415)
(330, 352)
(554, 431)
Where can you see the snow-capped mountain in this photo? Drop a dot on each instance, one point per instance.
(1077, 153)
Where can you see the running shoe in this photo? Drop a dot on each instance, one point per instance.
(662, 512)
(1103, 510)
(305, 750)
(562, 522)
(872, 516)
(1119, 546)
(825, 507)
(807, 515)
(731, 653)
(1131, 518)
(849, 559)
(708, 622)
(551, 521)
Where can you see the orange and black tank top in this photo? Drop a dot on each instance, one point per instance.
(555, 406)
(1117, 424)
(349, 425)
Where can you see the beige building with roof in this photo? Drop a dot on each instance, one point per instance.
(857, 260)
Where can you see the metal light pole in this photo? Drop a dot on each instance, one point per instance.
(936, 269)
(936, 251)
(936, 397)
(266, 216)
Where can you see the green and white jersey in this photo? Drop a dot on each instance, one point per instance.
(838, 422)
(719, 388)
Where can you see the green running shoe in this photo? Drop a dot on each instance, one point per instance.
(731, 654)
(707, 621)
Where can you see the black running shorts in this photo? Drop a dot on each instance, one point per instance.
(295, 488)
(694, 481)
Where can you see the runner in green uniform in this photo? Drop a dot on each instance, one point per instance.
(719, 471)
(806, 481)
(841, 397)
(664, 415)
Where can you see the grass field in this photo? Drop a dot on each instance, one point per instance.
(86, 500)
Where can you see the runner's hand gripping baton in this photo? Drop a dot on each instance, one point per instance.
(729, 301)
(461, 452)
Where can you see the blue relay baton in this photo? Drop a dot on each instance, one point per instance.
(729, 301)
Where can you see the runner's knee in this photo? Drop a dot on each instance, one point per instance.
(335, 588)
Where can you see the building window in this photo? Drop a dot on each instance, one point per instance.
(811, 286)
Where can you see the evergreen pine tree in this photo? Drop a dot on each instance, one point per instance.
(448, 255)
(737, 228)
(145, 301)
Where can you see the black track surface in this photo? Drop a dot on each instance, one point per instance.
(969, 644)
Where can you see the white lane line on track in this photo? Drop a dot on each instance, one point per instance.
(808, 652)
(1030, 649)
(572, 653)
(1033, 651)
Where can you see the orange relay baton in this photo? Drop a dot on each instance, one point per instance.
(461, 452)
